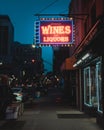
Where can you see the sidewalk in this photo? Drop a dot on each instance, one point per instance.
(46, 114)
(57, 118)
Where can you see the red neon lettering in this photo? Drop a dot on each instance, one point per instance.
(56, 29)
(55, 39)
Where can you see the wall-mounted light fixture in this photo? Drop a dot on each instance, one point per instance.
(85, 56)
(81, 59)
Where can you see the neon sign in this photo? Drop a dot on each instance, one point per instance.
(55, 29)
(55, 32)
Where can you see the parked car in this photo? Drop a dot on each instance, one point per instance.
(18, 92)
(21, 93)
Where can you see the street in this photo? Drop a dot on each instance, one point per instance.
(49, 113)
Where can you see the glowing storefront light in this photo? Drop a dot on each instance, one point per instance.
(82, 59)
(78, 62)
(75, 65)
(85, 56)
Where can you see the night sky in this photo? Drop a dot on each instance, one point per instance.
(21, 13)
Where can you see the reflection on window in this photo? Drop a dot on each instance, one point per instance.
(87, 86)
(99, 89)
(90, 88)
(93, 86)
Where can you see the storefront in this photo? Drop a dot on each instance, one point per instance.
(90, 64)
(69, 75)
(92, 87)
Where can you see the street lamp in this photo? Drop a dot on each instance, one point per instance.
(33, 45)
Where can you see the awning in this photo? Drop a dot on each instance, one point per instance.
(68, 63)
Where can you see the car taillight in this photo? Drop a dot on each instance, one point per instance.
(20, 94)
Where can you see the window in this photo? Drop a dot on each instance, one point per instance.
(99, 86)
(87, 86)
(93, 86)
(90, 87)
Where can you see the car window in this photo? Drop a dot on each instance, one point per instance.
(16, 90)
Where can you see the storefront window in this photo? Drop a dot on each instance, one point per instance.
(90, 88)
(87, 86)
(99, 88)
(93, 86)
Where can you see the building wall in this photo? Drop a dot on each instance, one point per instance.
(27, 60)
(87, 40)
(59, 56)
(6, 38)
(92, 9)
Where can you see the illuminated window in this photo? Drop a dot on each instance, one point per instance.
(99, 88)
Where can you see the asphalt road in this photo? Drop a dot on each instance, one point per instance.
(49, 112)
